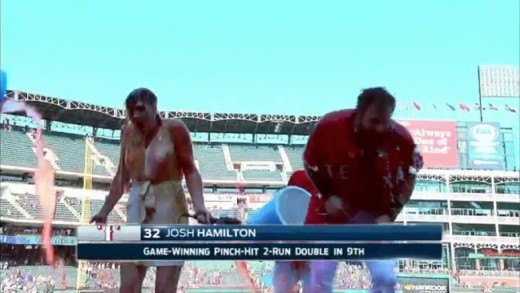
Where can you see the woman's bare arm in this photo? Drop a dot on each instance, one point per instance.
(121, 179)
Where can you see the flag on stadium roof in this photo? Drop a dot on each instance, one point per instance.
(464, 107)
(405, 106)
(478, 107)
(509, 109)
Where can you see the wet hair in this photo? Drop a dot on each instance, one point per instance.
(375, 95)
(141, 94)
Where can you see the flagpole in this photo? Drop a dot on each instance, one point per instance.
(481, 108)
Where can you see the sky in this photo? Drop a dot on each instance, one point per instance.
(277, 57)
(284, 57)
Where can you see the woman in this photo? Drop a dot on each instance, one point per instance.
(155, 155)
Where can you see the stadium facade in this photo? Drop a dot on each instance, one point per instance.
(470, 185)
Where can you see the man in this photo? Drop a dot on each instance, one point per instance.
(155, 156)
(364, 166)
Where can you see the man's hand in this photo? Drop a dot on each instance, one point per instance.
(334, 206)
(384, 219)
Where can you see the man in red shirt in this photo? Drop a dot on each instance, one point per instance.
(364, 165)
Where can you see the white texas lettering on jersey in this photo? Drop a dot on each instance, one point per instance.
(338, 171)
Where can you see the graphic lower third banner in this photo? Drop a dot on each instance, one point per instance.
(437, 142)
(256, 251)
(260, 233)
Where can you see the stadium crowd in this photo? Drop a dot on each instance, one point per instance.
(25, 275)
(23, 268)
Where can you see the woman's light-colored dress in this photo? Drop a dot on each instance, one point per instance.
(162, 203)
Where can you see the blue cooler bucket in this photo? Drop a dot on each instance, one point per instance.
(3, 85)
(288, 207)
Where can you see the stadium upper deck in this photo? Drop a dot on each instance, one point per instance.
(97, 116)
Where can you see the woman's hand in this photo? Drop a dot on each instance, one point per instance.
(203, 216)
(99, 218)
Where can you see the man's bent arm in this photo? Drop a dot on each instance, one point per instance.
(121, 179)
(184, 151)
(407, 188)
(313, 165)
(320, 180)
(401, 199)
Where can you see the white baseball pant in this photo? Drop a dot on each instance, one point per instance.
(318, 276)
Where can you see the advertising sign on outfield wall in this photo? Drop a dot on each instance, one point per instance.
(424, 285)
(485, 149)
(437, 141)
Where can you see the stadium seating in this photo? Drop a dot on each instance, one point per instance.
(74, 203)
(212, 164)
(63, 212)
(240, 153)
(113, 217)
(16, 149)
(109, 148)
(295, 155)
(7, 209)
(70, 150)
(254, 175)
(70, 153)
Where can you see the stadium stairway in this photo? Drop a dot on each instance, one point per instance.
(12, 200)
(100, 159)
(295, 155)
(70, 208)
(227, 157)
(70, 149)
(287, 166)
(109, 149)
(62, 212)
(50, 155)
(119, 212)
(8, 210)
(285, 177)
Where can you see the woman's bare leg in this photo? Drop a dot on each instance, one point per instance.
(132, 277)
(167, 279)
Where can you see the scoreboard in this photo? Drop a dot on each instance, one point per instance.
(265, 242)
